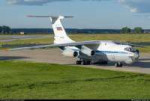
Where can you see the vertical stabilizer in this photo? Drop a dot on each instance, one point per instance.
(60, 35)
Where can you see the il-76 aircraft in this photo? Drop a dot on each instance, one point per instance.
(88, 52)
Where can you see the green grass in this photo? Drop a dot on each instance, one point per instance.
(141, 39)
(24, 80)
(49, 39)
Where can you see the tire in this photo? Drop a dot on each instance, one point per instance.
(118, 64)
(84, 62)
(88, 62)
(78, 62)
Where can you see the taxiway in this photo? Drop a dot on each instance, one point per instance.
(54, 56)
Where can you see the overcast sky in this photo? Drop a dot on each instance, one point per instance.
(104, 14)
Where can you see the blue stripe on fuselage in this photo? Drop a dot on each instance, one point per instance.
(112, 52)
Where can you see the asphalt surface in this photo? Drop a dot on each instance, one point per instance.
(9, 38)
(55, 56)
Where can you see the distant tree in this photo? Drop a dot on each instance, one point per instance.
(0, 29)
(5, 29)
(8, 29)
(125, 30)
(138, 30)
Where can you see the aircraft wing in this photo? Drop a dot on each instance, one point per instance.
(90, 44)
(87, 43)
(77, 44)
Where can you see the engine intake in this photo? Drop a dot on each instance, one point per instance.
(88, 52)
(75, 54)
(92, 53)
(70, 53)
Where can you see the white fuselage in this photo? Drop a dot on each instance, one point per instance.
(109, 51)
(91, 50)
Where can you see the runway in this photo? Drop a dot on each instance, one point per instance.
(54, 56)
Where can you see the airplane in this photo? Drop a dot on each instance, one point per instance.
(88, 52)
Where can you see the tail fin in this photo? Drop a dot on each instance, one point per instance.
(60, 35)
(59, 31)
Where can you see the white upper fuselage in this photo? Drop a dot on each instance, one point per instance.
(111, 51)
(106, 51)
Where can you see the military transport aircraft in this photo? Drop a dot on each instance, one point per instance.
(88, 52)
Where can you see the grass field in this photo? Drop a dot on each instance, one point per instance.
(140, 39)
(24, 80)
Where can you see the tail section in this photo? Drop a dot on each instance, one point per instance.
(60, 35)
(59, 31)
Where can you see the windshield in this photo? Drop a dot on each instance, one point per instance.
(118, 43)
(130, 49)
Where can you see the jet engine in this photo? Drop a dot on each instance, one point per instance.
(70, 53)
(92, 53)
(87, 51)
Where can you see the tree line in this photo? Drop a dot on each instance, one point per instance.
(129, 30)
(5, 29)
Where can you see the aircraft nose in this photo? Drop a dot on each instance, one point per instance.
(136, 55)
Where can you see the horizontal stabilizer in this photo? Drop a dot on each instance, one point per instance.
(49, 16)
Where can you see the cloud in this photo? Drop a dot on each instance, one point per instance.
(137, 6)
(32, 2)
(40, 2)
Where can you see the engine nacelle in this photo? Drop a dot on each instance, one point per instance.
(70, 53)
(92, 53)
(88, 52)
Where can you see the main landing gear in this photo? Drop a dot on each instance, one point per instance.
(88, 62)
(119, 64)
(84, 62)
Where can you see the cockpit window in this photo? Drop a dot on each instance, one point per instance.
(130, 49)
(120, 43)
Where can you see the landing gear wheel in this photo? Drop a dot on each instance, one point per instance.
(78, 62)
(119, 64)
(86, 62)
